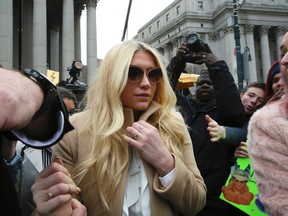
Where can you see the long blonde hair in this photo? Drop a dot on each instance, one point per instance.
(110, 154)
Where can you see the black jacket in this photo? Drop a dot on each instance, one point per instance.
(213, 159)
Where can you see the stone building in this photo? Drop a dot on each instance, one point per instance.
(262, 24)
(45, 34)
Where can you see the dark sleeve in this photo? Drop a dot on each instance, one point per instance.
(174, 70)
(235, 135)
(9, 199)
(230, 111)
(53, 110)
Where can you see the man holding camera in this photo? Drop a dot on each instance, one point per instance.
(217, 96)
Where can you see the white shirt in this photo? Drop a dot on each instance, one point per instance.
(137, 197)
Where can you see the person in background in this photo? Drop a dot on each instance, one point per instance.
(68, 98)
(30, 111)
(274, 83)
(274, 90)
(130, 152)
(217, 96)
(268, 147)
(253, 98)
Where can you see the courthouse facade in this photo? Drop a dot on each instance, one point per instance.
(262, 24)
(45, 34)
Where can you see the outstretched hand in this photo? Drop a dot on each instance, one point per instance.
(216, 131)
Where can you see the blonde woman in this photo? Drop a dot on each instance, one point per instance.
(130, 152)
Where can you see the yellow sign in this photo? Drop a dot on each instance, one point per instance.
(186, 80)
(53, 76)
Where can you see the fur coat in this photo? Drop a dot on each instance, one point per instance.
(268, 150)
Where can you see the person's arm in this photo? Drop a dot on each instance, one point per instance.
(230, 110)
(17, 92)
(11, 158)
(230, 135)
(177, 66)
(32, 110)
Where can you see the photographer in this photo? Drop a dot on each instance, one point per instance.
(216, 95)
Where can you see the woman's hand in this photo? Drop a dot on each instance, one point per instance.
(146, 139)
(53, 192)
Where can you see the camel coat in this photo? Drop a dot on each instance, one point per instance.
(186, 194)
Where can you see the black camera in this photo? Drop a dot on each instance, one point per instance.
(194, 44)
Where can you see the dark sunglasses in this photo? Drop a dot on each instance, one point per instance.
(136, 74)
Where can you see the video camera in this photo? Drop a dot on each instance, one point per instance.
(72, 83)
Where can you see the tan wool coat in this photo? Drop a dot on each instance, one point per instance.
(186, 194)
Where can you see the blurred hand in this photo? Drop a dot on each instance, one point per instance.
(216, 131)
(53, 192)
(181, 52)
(206, 57)
(241, 151)
(146, 139)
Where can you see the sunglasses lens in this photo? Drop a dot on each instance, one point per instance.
(135, 74)
(155, 75)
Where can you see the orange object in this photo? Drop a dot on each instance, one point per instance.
(186, 80)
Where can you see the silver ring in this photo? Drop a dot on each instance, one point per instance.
(204, 56)
(49, 194)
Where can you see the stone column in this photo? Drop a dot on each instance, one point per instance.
(77, 34)
(6, 33)
(248, 29)
(265, 50)
(229, 47)
(54, 49)
(280, 32)
(39, 36)
(166, 51)
(91, 40)
(67, 37)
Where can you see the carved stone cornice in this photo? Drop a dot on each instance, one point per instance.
(213, 36)
(281, 30)
(166, 47)
(92, 3)
(263, 30)
(175, 43)
(248, 28)
(161, 50)
(227, 30)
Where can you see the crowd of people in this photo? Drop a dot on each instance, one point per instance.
(140, 146)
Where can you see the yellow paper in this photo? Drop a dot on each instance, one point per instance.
(186, 80)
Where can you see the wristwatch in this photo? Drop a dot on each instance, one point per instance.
(46, 85)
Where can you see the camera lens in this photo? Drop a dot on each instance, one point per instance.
(191, 39)
(194, 43)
